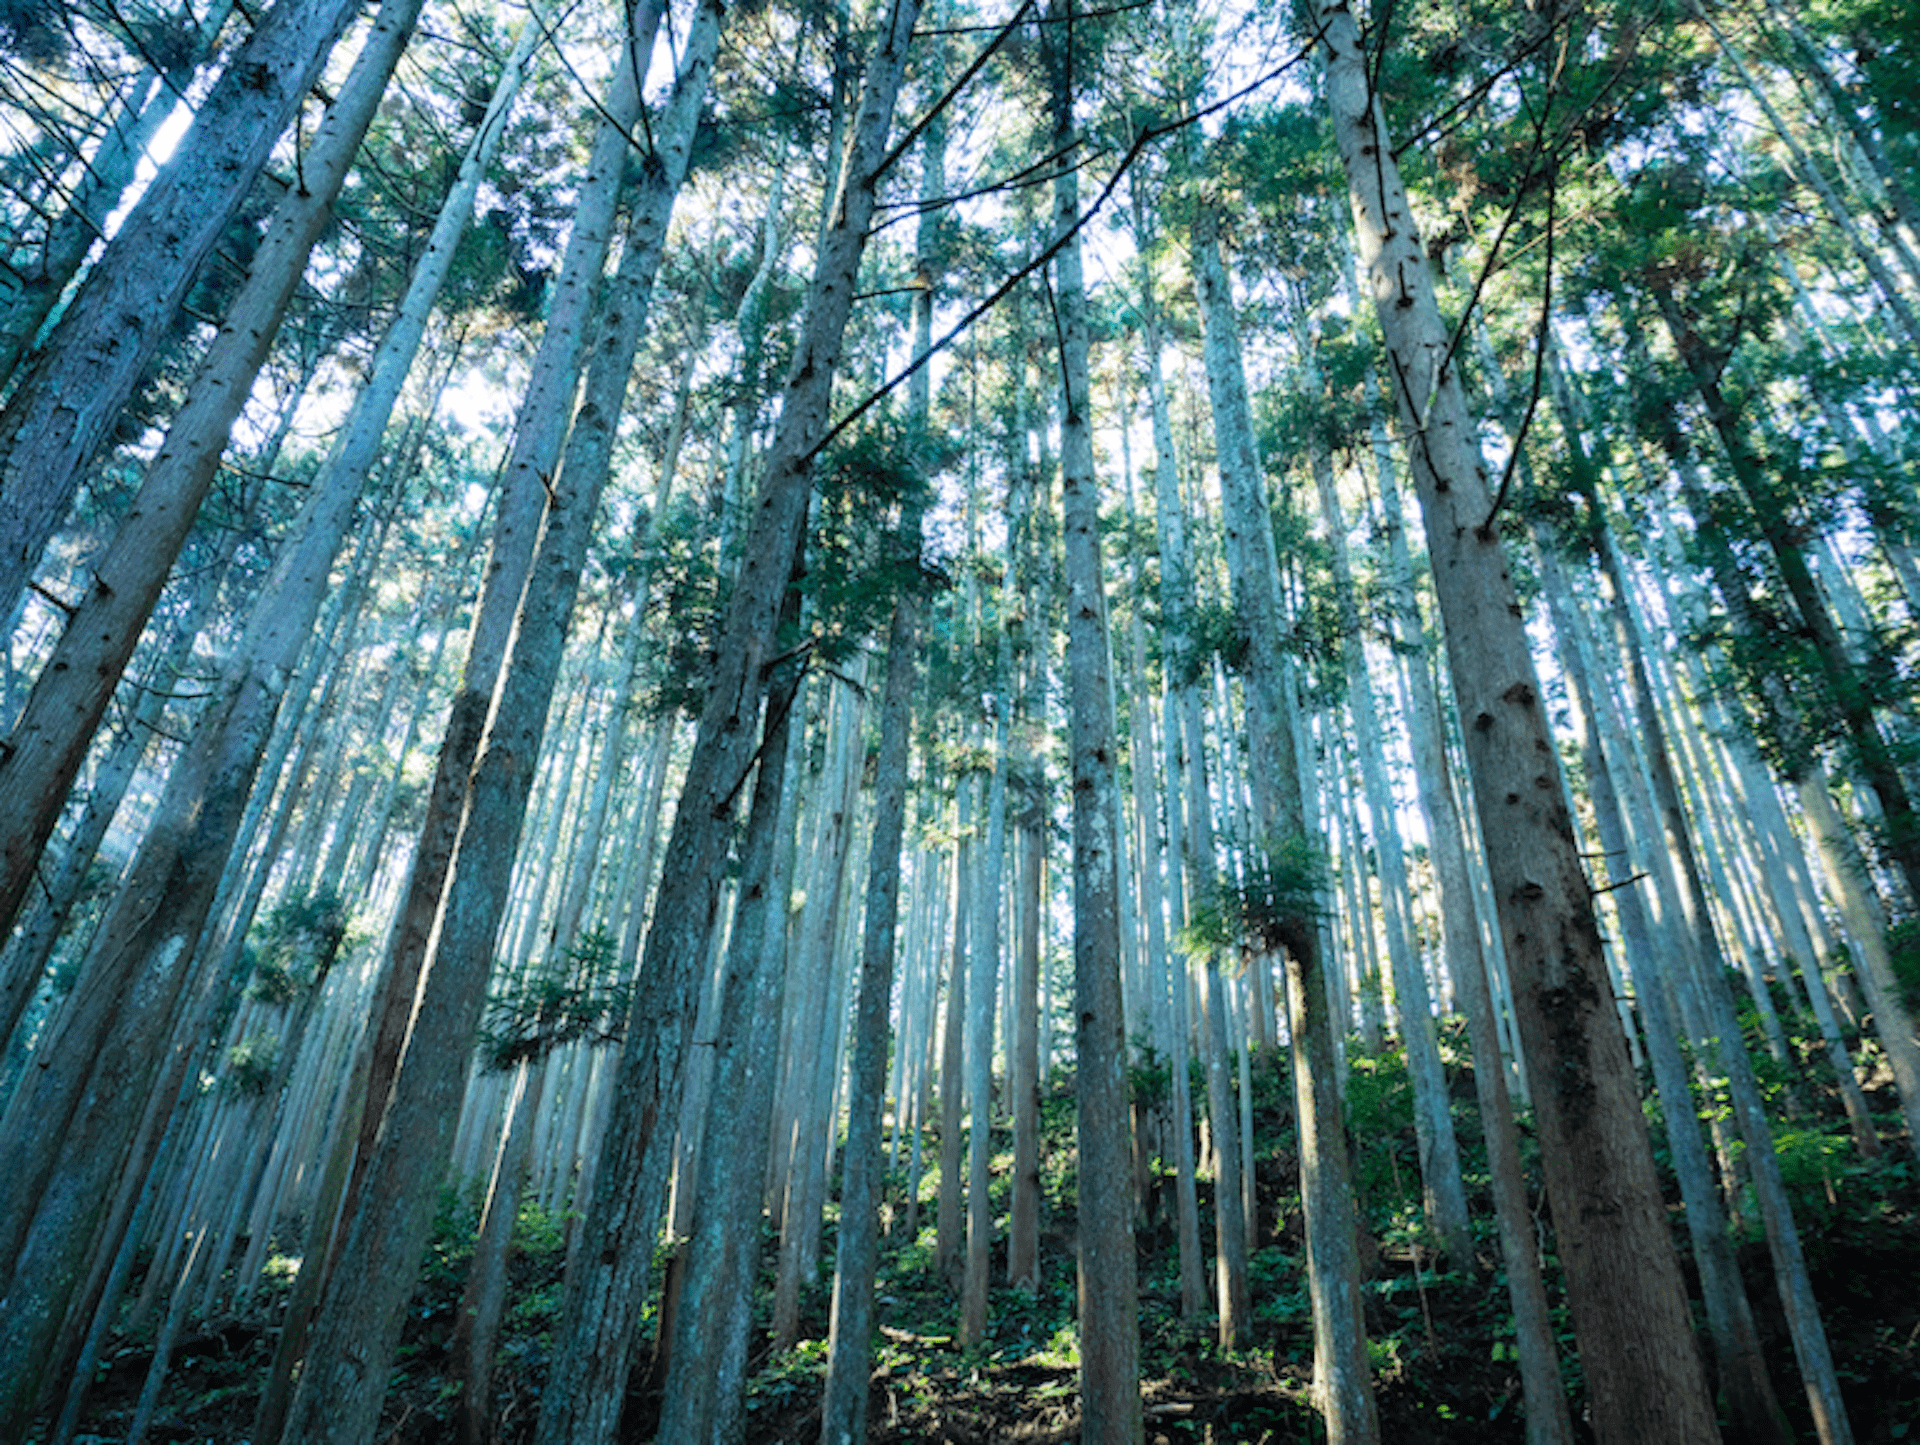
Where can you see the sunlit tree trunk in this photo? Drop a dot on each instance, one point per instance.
(843, 1411)
(1176, 603)
(1109, 1301)
(707, 1354)
(343, 1380)
(50, 739)
(1446, 1195)
(70, 395)
(603, 1290)
(103, 184)
(1659, 975)
(1629, 1303)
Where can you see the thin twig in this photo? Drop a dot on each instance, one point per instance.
(1539, 360)
(953, 91)
(1140, 143)
(1042, 20)
(1624, 882)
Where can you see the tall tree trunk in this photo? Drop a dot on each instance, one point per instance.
(108, 172)
(1548, 1419)
(709, 1329)
(70, 1128)
(1806, 169)
(1660, 976)
(843, 1411)
(948, 1234)
(1109, 1292)
(1342, 1384)
(1629, 1302)
(76, 683)
(1176, 600)
(65, 406)
(385, 1230)
(1446, 1195)
(1846, 688)
(604, 1287)
(811, 1055)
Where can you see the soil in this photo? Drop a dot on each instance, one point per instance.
(1440, 1337)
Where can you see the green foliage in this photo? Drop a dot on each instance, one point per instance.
(1380, 1121)
(1881, 40)
(251, 1065)
(683, 599)
(1816, 1165)
(580, 997)
(296, 945)
(1903, 943)
(1150, 1080)
(871, 486)
(1282, 891)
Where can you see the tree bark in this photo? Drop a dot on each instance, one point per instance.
(65, 406)
(1446, 1194)
(1629, 1303)
(603, 1289)
(1109, 1293)
(76, 683)
(843, 1409)
(708, 1340)
(357, 1330)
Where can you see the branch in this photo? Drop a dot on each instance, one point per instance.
(1041, 20)
(1140, 142)
(1539, 359)
(952, 92)
(1623, 883)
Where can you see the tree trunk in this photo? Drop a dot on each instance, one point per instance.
(708, 1333)
(948, 1216)
(1629, 1303)
(66, 404)
(1109, 1308)
(50, 739)
(1176, 600)
(1847, 691)
(603, 1289)
(109, 171)
(385, 1230)
(1446, 1194)
(850, 1344)
(1660, 976)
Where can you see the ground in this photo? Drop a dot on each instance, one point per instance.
(1440, 1331)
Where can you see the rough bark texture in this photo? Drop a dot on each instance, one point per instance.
(1642, 1364)
(604, 1286)
(77, 681)
(709, 1330)
(843, 1411)
(71, 395)
(1548, 1420)
(358, 1328)
(1109, 1291)
(1744, 1383)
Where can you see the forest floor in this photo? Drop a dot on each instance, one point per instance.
(1440, 1336)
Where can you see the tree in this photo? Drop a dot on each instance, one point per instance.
(1109, 1309)
(358, 1328)
(110, 331)
(1629, 1304)
(603, 1290)
(77, 681)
